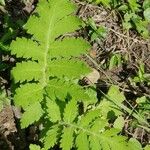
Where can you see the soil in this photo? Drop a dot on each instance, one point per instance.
(117, 41)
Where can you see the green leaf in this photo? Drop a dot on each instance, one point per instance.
(112, 133)
(51, 137)
(68, 68)
(22, 48)
(99, 125)
(147, 14)
(62, 89)
(82, 142)
(70, 111)
(104, 2)
(32, 113)
(135, 144)
(115, 61)
(67, 138)
(89, 117)
(147, 147)
(104, 145)
(92, 24)
(110, 140)
(69, 24)
(34, 147)
(95, 143)
(28, 94)
(119, 123)
(68, 47)
(113, 102)
(92, 95)
(102, 32)
(146, 4)
(52, 20)
(27, 71)
(115, 94)
(2, 2)
(123, 7)
(127, 18)
(53, 111)
(141, 100)
(134, 5)
(99, 33)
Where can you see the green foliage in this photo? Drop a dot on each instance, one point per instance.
(119, 123)
(147, 147)
(143, 106)
(115, 61)
(34, 147)
(86, 131)
(45, 77)
(111, 107)
(146, 6)
(2, 2)
(9, 26)
(130, 10)
(47, 64)
(141, 76)
(94, 32)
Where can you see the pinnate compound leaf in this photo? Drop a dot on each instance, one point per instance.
(52, 20)
(67, 138)
(32, 113)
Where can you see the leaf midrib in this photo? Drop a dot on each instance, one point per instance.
(51, 16)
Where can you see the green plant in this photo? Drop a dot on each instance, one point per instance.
(46, 77)
(96, 33)
(130, 10)
(115, 61)
(47, 59)
(146, 7)
(141, 76)
(2, 2)
(143, 106)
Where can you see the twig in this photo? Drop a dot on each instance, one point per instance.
(120, 34)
